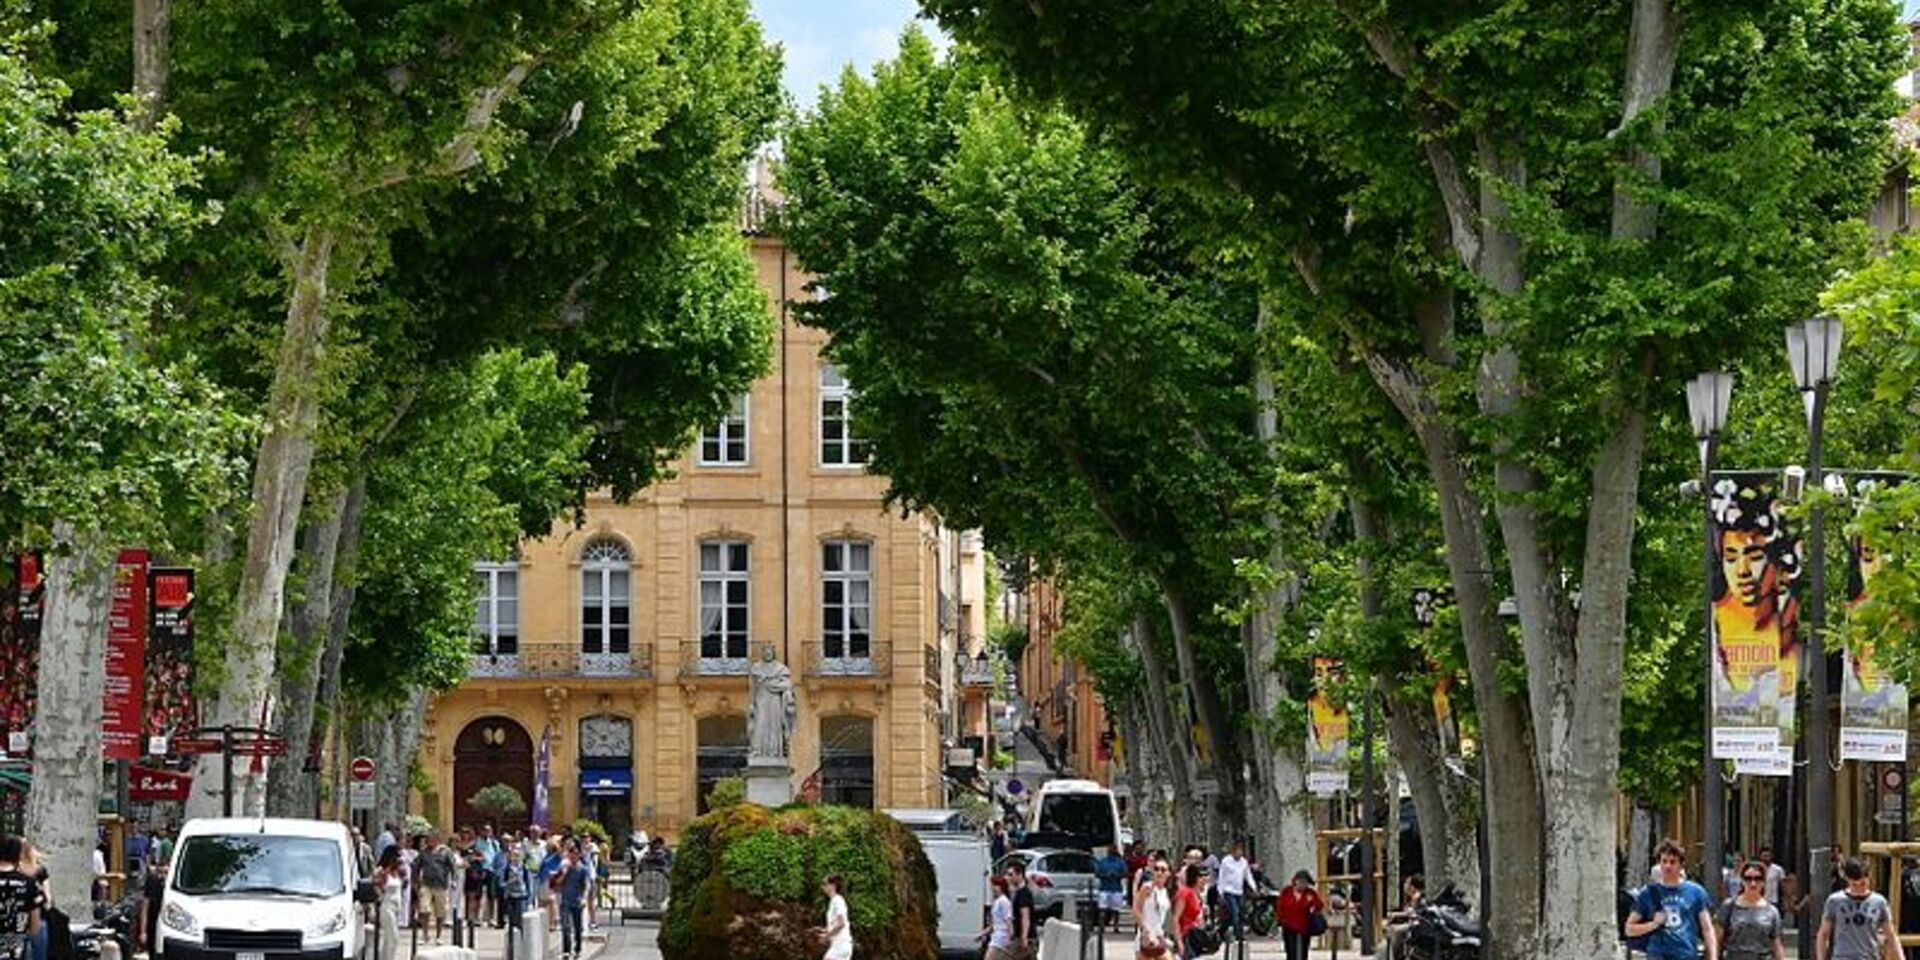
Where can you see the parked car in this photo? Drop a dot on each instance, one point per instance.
(247, 889)
(1056, 876)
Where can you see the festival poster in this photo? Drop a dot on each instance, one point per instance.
(1754, 616)
(542, 777)
(170, 710)
(21, 605)
(1328, 728)
(1873, 706)
(120, 716)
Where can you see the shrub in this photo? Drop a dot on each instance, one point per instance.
(746, 884)
(590, 828)
(499, 803)
(726, 792)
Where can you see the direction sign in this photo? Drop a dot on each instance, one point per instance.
(362, 769)
(196, 744)
(260, 748)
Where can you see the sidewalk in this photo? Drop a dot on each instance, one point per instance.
(491, 944)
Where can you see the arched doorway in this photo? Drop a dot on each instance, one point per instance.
(846, 761)
(490, 750)
(722, 753)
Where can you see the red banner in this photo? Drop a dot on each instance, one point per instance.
(170, 709)
(148, 785)
(21, 606)
(120, 718)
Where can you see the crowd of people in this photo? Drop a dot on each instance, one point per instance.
(1674, 917)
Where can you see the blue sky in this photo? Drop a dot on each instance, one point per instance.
(822, 36)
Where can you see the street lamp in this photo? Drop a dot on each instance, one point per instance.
(1707, 398)
(1813, 350)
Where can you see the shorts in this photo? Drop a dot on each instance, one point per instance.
(433, 902)
(1113, 900)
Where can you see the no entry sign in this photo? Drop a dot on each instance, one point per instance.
(362, 769)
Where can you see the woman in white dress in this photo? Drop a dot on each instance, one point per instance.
(387, 881)
(838, 933)
(1150, 904)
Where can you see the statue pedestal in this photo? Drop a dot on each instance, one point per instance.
(769, 781)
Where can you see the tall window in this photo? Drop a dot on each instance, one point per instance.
(838, 446)
(723, 599)
(725, 443)
(606, 598)
(496, 609)
(846, 568)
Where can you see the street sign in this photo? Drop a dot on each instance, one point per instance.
(1015, 788)
(1889, 817)
(187, 745)
(362, 769)
(360, 795)
(260, 748)
(156, 746)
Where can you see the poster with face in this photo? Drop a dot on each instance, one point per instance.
(1873, 707)
(169, 709)
(1327, 731)
(21, 604)
(1754, 617)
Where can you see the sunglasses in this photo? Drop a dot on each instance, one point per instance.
(1754, 878)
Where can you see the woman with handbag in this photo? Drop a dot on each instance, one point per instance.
(1187, 909)
(1150, 904)
(1302, 915)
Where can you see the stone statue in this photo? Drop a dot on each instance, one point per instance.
(772, 713)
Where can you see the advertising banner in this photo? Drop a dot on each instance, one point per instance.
(1873, 707)
(148, 785)
(169, 708)
(120, 717)
(542, 777)
(1327, 731)
(1754, 618)
(21, 605)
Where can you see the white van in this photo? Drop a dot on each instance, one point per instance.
(242, 889)
(961, 860)
(1081, 810)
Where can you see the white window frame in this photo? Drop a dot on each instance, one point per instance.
(723, 577)
(490, 600)
(734, 429)
(843, 643)
(851, 451)
(599, 570)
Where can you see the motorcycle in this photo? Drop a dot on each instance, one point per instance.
(112, 922)
(1444, 928)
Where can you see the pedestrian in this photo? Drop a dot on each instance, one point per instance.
(1297, 907)
(1775, 874)
(389, 835)
(390, 882)
(572, 894)
(550, 863)
(151, 891)
(997, 842)
(1110, 871)
(999, 931)
(19, 902)
(1232, 884)
(1188, 907)
(1022, 909)
(838, 932)
(1673, 913)
(1857, 923)
(1400, 923)
(473, 885)
(1150, 906)
(38, 947)
(1748, 926)
(516, 885)
(433, 875)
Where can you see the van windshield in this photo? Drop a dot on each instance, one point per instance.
(260, 864)
(1086, 816)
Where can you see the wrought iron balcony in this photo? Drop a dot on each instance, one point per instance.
(976, 671)
(697, 660)
(838, 658)
(559, 661)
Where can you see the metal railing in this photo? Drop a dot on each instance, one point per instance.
(695, 663)
(831, 659)
(561, 660)
(977, 672)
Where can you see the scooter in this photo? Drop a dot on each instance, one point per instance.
(112, 922)
(1445, 928)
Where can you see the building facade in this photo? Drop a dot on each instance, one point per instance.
(623, 644)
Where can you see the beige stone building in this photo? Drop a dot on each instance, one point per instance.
(625, 642)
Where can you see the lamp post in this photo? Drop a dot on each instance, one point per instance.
(1813, 350)
(1707, 398)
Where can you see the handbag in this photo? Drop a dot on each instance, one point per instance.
(1202, 941)
(1154, 948)
(1316, 923)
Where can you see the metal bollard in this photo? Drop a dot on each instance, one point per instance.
(414, 951)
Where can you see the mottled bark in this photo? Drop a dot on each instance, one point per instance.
(152, 39)
(66, 741)
(279, 487)
(302, 645)
(1169, 736)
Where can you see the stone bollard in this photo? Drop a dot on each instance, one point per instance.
(110, 949)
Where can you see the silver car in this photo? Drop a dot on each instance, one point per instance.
(1055, 876)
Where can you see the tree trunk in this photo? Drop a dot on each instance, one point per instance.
(279, 487)
(1153, 787)
(66, 742)
(1442, 796)
(152, 34)
(1222, 758)
(1286, 823)
(345, 589)
(1169, 737)
(310, 623)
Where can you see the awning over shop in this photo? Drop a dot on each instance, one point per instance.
(612, 782)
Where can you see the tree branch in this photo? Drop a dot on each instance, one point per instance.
(462, 153)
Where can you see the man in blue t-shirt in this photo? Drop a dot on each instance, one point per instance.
(1674, 913)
